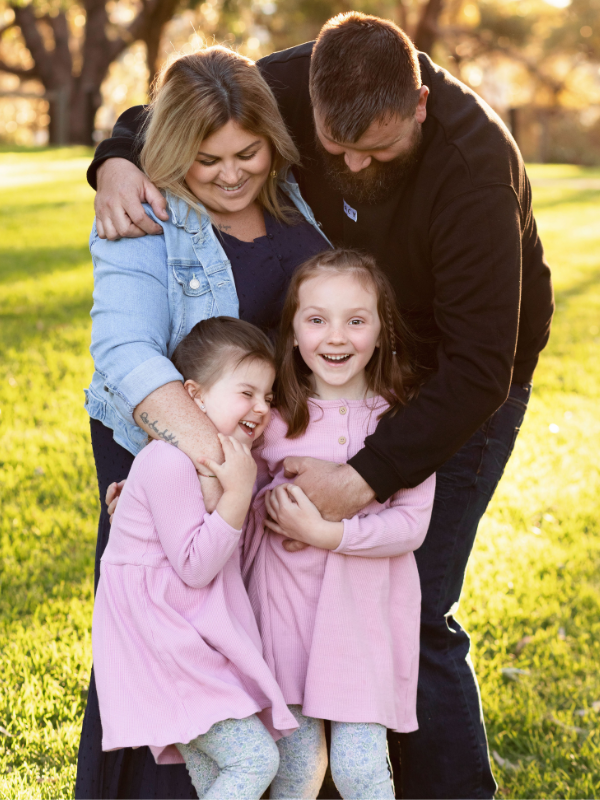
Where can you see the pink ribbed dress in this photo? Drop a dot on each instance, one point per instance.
(175, 642)
(340, 629)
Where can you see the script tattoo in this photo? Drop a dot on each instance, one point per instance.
(164, 435)
(224, 227)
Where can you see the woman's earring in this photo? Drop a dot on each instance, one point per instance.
(274, 173)
(202, 407)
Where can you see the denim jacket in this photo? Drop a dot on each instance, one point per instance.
(148, 294)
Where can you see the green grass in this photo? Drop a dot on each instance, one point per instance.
(532, 598)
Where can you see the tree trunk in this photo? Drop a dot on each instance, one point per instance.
(75, 99)
(152, 31)
(427, 29)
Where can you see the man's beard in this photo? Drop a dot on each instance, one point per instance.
(373, 184)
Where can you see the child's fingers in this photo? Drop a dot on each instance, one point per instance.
(212, 466)
(272, 505)
(299, 497)
(273, 526)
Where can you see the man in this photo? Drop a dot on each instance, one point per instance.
(402, 160)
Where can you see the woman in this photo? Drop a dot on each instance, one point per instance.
(218, 148)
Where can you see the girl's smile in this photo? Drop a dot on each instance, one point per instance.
(239, 402)
(337, 329)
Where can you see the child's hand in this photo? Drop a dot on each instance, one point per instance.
(237, 475)
(238, 471)
(294, 516)
(112, 498)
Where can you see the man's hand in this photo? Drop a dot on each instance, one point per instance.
(122, 188)
(293, 515)
(337, 490)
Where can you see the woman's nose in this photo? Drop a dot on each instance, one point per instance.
(230, 173)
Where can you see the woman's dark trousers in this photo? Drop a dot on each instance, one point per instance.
(120, 773)
(448, 756)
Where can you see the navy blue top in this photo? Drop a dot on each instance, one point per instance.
(262, 269)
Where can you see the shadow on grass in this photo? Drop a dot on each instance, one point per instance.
(562, 197)
(579, 288)
(19, 265)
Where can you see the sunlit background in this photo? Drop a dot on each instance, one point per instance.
(66, 74)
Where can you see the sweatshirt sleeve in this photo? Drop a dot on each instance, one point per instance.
(197, 544)
(476, 266)
(124, 142)
(393, 531)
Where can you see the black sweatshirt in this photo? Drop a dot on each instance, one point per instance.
(458, 241)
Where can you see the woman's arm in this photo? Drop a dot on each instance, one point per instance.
(130, 334)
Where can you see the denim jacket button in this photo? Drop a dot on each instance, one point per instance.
(194, 283)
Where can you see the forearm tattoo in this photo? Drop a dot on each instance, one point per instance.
(164, 435)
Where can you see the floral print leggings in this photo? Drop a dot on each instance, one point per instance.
(237, 759)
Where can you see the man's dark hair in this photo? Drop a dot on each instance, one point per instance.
(362, 69)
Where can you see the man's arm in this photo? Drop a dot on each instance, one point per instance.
(476, 252)
(122, 186)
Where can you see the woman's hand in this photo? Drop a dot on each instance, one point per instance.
(112, 498)
(294, 516)
(237, 476)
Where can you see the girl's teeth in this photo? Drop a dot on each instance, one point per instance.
(335, 358)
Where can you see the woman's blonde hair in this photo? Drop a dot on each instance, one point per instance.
(194, 97)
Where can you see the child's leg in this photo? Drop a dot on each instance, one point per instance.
(203, 770)
(302, 760)
(359, 764)
(246, 756)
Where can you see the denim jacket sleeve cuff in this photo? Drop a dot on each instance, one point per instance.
(141, 382)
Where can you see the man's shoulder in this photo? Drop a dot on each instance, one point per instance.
(470, 129)
(300, 52)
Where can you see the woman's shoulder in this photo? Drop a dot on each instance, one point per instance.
(140, 253)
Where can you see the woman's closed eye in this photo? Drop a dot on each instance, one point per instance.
(212, 162)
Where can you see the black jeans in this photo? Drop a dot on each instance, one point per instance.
(448, 756)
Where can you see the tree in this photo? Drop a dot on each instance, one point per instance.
(71, 69)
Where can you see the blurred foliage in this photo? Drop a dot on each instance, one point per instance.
(518, 54)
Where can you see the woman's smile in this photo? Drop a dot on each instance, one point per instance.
(231, 167)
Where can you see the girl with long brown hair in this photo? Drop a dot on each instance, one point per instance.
(339, 618)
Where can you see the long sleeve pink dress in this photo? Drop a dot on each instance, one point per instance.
(340, 629)
(175, 642)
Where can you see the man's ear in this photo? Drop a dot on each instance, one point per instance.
(421, 111)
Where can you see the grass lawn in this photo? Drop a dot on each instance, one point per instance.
(532, 598)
